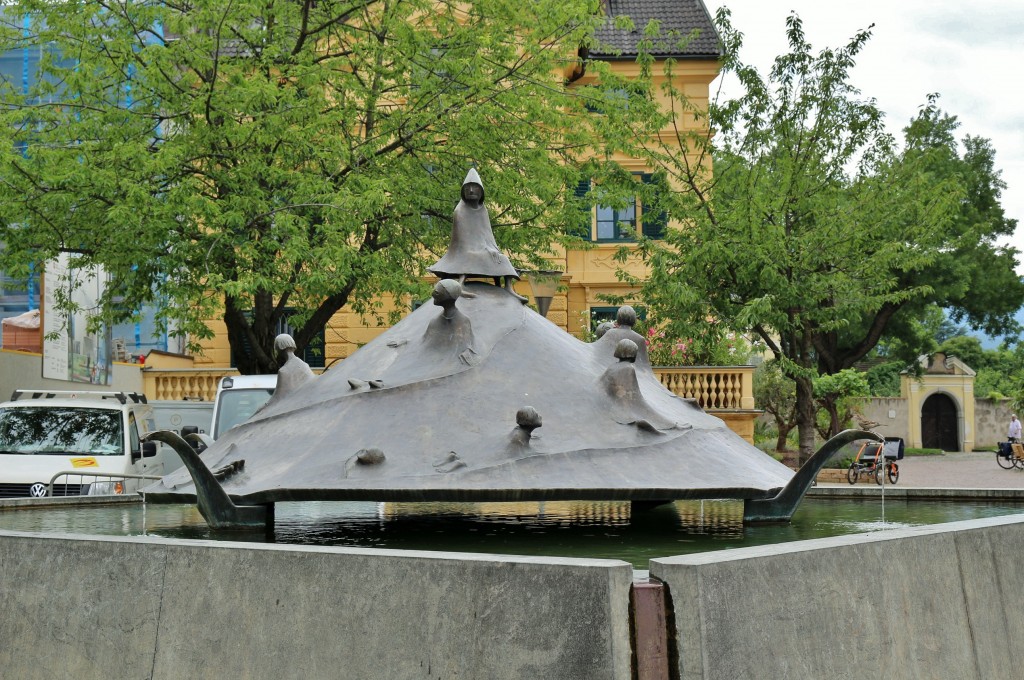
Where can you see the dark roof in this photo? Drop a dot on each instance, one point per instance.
(681, 17)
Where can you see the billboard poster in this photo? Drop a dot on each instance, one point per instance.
(70, 352)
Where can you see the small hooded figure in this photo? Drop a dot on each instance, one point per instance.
(473, 252)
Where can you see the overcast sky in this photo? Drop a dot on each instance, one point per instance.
(971, 53)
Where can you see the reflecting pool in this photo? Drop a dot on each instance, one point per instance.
(570, 529)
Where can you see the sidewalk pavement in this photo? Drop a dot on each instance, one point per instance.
(959, 470)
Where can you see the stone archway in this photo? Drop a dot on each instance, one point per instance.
(940, 423)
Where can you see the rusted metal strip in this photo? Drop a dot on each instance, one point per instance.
(649, 623)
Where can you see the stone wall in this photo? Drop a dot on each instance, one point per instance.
(102, 608)
(991, 418)
(928, 602)
(890, 412)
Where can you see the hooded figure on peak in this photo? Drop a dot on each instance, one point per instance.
(473, 251)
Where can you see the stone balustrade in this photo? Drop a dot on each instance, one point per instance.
(177, 384)
(725, 391)
(715, 388)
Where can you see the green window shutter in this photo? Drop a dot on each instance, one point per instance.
(583, 229)
(654, 221)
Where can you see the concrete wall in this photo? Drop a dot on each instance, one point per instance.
(89, 608)
(929, 602)
(21, 370)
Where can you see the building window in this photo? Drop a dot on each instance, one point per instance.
(599, 315)
(607, 224)
(617, 224)
(613, 100)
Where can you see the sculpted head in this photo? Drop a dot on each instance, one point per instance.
(284, 342)
(626, 316)
(446, 292)
(625, 350)
(473, 188)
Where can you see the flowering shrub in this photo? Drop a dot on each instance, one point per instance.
(709, 345)
(666, 351)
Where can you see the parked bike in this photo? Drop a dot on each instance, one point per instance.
(878, 459)
(1010, 454)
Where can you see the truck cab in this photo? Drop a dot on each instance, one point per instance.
(238, 398)
(71, 443)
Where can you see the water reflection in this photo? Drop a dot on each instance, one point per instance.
(577, 529)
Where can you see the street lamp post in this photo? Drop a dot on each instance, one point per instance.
(543, 286)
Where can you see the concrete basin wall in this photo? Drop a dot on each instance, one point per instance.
(101, 608)
(929, 602)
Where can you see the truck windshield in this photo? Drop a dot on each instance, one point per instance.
(56, 430)
(237, 406)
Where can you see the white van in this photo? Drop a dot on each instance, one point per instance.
(238, 398)
(65, 443)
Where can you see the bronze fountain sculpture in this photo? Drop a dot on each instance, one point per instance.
(479, 398)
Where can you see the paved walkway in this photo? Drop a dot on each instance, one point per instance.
(958, 470)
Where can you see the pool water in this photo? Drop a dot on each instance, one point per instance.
(568, 529)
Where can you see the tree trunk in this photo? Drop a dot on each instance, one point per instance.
(785, 426)
(251, 342)
(834, 421)
(805, 417)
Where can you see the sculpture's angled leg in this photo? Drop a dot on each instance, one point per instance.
(509, 288)
(214, 504)
(199, 441)
(781, 507)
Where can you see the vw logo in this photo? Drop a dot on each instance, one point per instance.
(37, 490)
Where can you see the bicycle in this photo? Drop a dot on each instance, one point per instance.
(877, 459)
(1010, 454)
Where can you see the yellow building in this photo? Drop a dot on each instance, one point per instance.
(940, 405)
(587, 274)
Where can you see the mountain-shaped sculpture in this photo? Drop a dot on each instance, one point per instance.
(479, 398)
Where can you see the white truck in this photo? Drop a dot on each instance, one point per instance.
(238, 398)
(78, 443)
(183, 417)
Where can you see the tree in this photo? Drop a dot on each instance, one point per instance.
(884, 379)
(775, 393)
(275, 161)
(815, 231)
(909, 335)
(834, 393)
(967, 349)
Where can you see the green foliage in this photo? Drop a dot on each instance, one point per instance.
(967, 349)
(914, 331)
(816, 232)
(835, 394)
(776, 395)
(1000, 372)
(884, 379)
(908, 451)
(839, 463)
(705, 345)
(281, 158)
(844, 384)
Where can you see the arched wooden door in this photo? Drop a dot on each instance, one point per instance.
(939, 428)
